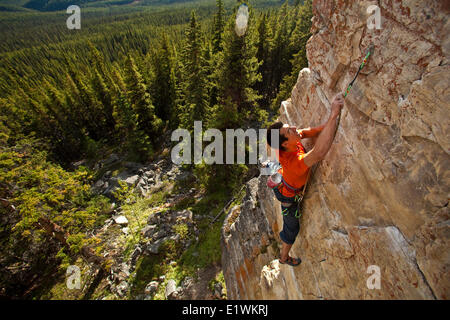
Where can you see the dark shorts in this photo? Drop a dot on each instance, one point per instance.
(291, 224)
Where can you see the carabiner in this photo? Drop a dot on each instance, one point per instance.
(298, 214)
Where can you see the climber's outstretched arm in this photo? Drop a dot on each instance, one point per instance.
(311, 132)
(326, 137)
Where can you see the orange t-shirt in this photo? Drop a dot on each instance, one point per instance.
(293, 169)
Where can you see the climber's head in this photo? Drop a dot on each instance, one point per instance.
(288, 136)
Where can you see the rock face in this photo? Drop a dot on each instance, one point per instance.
(380, 197)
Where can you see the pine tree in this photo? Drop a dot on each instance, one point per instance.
(164, 83)
(265, 43)
(300, 36)
(141, 102)
(280, 53)
(210, 66)
(103, 94)
(237, 74)
(86, 104)
(194, 75)
(124, 116)
(177, 110)
(134, 140)
(101, 84)
(68, 136)
(219, 23)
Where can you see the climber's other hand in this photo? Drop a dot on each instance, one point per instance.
(337, 104)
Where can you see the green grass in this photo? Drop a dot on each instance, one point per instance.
(182, 230)
(148, 268)
(206, 251)
(60, 291)
(138, 212)
(151, 267)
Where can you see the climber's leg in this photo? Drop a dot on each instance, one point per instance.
(285, 248)
(285, 258)
(291, 224)
(291, 227)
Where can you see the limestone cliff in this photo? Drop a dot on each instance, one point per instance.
(381, 195)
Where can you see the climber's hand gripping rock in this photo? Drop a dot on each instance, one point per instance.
(336, 105)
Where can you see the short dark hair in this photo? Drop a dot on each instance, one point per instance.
(282, 138)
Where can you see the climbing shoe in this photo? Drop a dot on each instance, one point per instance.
(291, 261)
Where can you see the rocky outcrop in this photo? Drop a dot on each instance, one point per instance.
(143, 179)
(380, 197)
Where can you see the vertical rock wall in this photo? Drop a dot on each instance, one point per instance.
(381, 195)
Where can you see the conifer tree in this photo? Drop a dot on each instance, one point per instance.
(236, 75)
(87, 104)
(124, 116)
(101, 84)
(194, 75)
(66, 134)
(265, 43)
(219, 23)
(177, 111)
(300, 36)
(140, 100)
(280, 54)
(210, 66)
(134, 140)
(164, 83)
(103, 94)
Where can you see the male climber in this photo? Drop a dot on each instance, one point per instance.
(295, 164)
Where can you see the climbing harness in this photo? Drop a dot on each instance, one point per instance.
(276, 180)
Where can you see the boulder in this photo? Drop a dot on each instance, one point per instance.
(77, 164)
(122, 289)
(110, 186)
(159, 234)
(185, 215)
(171, 292)
(151, 287)
(149, 230)
(175, 237)
(128, 178)
(135, 255)
(187, 282)
(218, 290)
(154, 218)
(149, 173)
(153, 248)
(121, 220)
(100, 183)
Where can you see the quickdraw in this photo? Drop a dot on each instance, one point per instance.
(369, 52)
(298, 198)
(298, 214)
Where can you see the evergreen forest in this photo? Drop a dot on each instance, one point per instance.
(135, 71)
